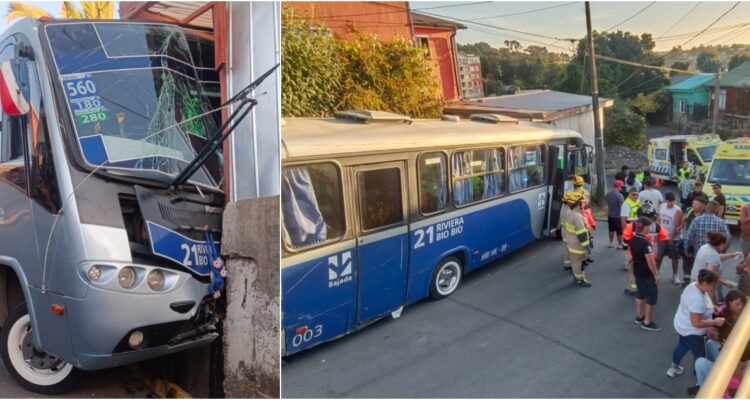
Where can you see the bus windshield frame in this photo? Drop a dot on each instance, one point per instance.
(138, 97)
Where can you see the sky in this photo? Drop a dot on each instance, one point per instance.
(568, 20)
(53, 7)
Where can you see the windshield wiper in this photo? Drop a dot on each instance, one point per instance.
(246, 104)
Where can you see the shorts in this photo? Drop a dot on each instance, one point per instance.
(646, 290)
(667, 249)
(615, 225)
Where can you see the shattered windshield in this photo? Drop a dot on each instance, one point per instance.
(139, 96)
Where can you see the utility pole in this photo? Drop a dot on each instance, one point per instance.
(717, 90)
(601, 181)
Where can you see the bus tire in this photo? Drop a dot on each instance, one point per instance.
(50, 376)
(446, 278)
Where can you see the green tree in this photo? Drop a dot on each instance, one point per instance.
(708, 61)
(311, 68)
(738, 59)
(623, 126)
(681, 65)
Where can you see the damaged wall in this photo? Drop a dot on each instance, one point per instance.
(250, 245)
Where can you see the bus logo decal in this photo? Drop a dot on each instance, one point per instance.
(343, 263)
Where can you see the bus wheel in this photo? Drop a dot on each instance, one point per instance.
(446, 278)
(36, 371)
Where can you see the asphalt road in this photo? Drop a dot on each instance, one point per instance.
(515, 328)
(111, 383)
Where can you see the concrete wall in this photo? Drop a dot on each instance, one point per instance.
(251, 331)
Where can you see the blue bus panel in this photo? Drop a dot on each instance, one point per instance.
(382, 274)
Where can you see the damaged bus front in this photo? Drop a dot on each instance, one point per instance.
(103, 259)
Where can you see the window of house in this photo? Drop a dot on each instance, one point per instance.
(312, 205)
(683, 106)
(478, 175)
(433, 182)
(722, 99)
(423, 42)
(525, 166)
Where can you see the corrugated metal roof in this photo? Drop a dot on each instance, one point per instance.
(540, 100)
(428, 20)
(738, 77)
(691, 83)
(178, 10)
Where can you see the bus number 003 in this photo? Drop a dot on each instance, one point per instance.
(307, 336)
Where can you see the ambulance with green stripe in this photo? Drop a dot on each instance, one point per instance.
(731, 168)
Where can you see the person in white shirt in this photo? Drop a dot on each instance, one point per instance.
(650, 195)
(709, 257)
(670, 217)
(692, 318)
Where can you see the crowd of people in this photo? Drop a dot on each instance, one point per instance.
(650, 226)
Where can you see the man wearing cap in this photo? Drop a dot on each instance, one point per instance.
(720, 199)
(576, 238)
(614, 205)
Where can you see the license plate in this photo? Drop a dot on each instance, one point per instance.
(732, 222)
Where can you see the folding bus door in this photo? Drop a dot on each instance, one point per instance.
(382, 238)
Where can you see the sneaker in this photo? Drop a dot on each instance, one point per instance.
(673, 372)
(676, 280)
(611, 245)
(651, 326)
(639, 321)
(693, 391)
(582, 283)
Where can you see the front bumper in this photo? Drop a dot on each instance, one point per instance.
(101, 322)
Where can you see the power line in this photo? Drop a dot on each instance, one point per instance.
(525, 12)
(680, 20)
(712, 23)
(630, 17)
(707, 32)
(641, 65)
(493, 26)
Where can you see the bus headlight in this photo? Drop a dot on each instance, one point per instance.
(94, 273)
(126, 277)
(156, 280)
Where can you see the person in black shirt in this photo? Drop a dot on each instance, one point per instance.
(621, 176)
(719, 198)
(646, 274)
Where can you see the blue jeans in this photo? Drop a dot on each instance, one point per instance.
(703, 365)
(694, 343)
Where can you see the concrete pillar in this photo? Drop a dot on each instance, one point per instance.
(250, 246)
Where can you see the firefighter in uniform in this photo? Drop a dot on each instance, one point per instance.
(564, 210)
(587, 214)
(577, 237)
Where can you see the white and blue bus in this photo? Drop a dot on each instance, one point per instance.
(380, 211)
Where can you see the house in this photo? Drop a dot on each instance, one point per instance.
(690, 98)
(388, 21)
(439, 37)
(734, 92)
(243, 35)
(470, 74)
(563, 110)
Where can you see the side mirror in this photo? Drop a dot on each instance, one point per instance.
(14, 87)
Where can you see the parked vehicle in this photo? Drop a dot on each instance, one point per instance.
(380, 211)
(104, 260)
(731, 168)
(666, 154)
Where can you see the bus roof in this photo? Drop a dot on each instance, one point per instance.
(685, 138)
(311, 137)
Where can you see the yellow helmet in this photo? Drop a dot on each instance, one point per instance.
(571, 198)
(578, 180)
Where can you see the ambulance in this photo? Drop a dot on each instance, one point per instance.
(731, 168)
(666, 154)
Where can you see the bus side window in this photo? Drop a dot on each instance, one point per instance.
(526, 167)
(433, 182)
(43, 178)
(312, 205)
(12, 167)
(478, 175)
(380, 198)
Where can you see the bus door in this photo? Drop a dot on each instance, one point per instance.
(556, 173)
(382, 238)
(576, 163)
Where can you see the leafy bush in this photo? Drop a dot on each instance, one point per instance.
(322, 74)
(311, 69)
(625, 127)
